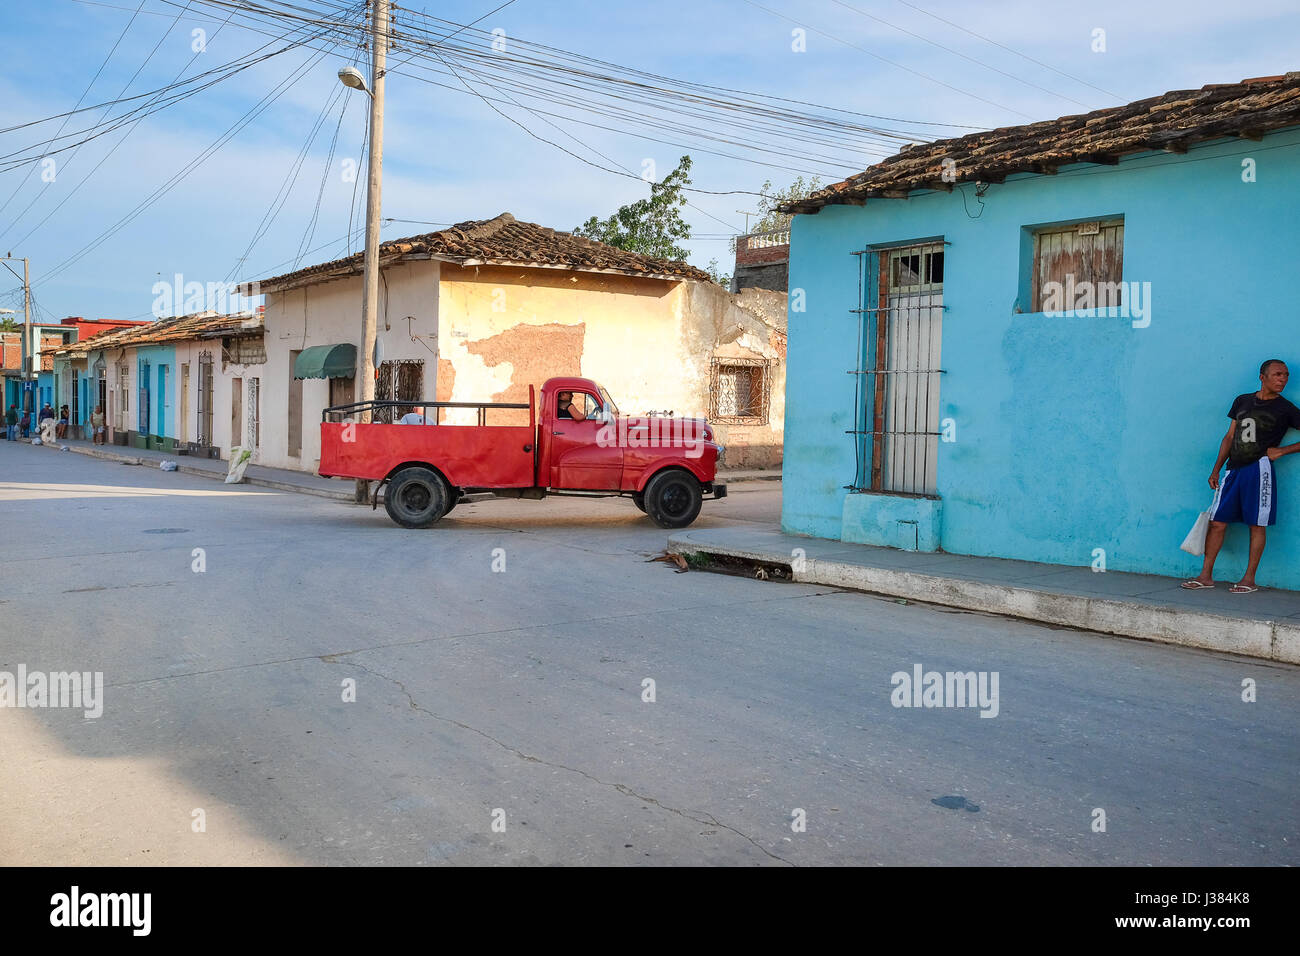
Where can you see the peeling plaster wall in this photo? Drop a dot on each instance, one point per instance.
(650, 342)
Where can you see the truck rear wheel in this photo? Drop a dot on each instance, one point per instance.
(673, 498)
(417, 497)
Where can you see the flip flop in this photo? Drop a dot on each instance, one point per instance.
(1242, 589)
(1195, 585)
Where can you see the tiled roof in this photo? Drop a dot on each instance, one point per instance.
(200, 325)
(1171, 122)
(505, 241)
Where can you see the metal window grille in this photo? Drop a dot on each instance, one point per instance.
(900, 324)
(398, 381)
(254, 413)
(739, 391)
(205, 399)
(142, 377)
(123, 395)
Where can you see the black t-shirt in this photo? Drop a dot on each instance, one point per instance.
(1271, 419)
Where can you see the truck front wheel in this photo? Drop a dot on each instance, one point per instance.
(417, 497)
(673, 498)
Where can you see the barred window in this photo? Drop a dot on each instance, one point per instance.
(900, 329)
(740, 391)
(401, 380)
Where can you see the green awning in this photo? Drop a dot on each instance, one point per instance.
(326, 361)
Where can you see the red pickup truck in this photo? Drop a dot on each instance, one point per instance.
(581, 446)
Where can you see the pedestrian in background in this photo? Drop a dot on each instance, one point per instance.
(97, 425)
(11, 423)
(62, 430)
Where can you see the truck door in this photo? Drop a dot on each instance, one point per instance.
(578, 460)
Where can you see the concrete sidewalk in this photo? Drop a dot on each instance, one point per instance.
(281, 479)
(1265, 624)
(735, 476)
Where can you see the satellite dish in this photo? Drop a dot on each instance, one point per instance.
(379, 352)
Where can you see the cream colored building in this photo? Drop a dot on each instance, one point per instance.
(482, 310)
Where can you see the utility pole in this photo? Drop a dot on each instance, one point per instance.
(24, 349)
(370, 302)
(352, 78)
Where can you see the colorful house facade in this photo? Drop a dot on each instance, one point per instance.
(167, 385)
(484, 309)
(1023, 343)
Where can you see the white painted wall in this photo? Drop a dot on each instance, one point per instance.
(335, 311)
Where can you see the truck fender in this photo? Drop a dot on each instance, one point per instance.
(666, 463)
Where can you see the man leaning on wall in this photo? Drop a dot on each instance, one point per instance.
(1248, 493)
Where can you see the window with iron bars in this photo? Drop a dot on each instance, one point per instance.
(142, 379)
(123, 396)
(739, 391)
(400, 380)
(205, 398)
(900, 325)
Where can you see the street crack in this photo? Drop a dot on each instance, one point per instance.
(705, 818)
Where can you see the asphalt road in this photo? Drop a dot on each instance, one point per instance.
(499, 715)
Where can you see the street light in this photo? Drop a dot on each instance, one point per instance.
(351, 77)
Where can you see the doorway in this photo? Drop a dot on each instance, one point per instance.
(295, 409)
(236, 413)
(184, 429)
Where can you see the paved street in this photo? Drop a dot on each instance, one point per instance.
(516, 696)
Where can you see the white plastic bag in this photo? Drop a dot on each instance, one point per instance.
(238, 462)
(168, 466)
(1194, 543)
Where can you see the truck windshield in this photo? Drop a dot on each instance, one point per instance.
(610, 408)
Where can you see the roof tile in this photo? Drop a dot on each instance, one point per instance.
(502, 240)
(1174, 121)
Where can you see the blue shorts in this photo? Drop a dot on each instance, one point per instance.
(1247, 495)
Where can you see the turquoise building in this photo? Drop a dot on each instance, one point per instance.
(1023, 343)
(155, 397)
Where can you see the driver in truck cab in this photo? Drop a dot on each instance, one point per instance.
(568, 409)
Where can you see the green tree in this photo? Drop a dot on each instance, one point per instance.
(652, 226)
(8, 325)
(770, 219)
(716, 274)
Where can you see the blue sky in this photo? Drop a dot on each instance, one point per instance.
(449, 158)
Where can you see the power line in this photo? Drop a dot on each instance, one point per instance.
(129, 131)
(971, 59)
(872, 53)
(288, 82)
(116, 43)
(1002, 46)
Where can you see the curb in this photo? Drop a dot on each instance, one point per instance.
(1269, 640)
(215, 475)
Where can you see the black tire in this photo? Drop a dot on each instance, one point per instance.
(417, 497)
(639, 500)
(673, 498)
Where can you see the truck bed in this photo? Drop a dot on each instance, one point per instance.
(469, 456)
